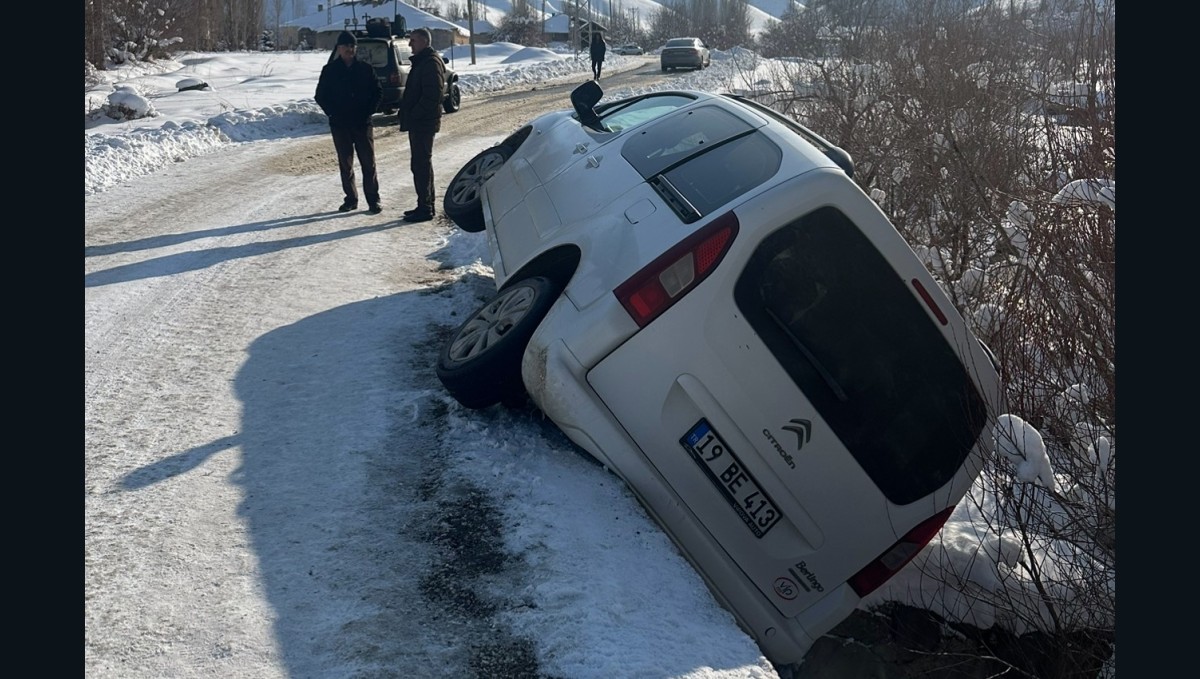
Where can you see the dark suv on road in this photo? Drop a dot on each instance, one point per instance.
(685, 53)
(388, 52)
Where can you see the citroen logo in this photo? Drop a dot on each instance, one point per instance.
(802, 429)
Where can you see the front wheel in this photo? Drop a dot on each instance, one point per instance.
(481, 363)
(462, 202)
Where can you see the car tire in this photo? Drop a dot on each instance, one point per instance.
(480, 365)
(462, 203)
(453, 100)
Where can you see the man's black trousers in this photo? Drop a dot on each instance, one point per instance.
(348, 140)
(420, 147)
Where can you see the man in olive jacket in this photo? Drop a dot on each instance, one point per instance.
(421, 116)
(348, 93)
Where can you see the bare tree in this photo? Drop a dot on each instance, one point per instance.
(623, 25)
(521, 25)
(987, 135)
(669, 21)
(116, 31)
(275, 16)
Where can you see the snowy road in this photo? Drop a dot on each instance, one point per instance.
(268, 484)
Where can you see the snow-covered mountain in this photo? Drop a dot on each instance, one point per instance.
(492, 11)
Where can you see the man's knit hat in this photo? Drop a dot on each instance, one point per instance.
(347, 38)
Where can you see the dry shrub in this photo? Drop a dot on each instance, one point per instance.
(987, 136)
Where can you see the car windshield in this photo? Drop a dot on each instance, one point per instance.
(681, 42)
(624, 114)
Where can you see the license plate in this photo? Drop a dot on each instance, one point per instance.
(730, 476)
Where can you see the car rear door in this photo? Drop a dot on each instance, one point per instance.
(764, 395)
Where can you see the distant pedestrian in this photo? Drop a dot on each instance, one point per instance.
(421, 116)
(348, 93)
(597, 48)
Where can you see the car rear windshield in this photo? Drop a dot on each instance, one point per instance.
(374, 52)
(680, 42)
(849, 332)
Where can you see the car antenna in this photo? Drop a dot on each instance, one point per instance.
(352, 26)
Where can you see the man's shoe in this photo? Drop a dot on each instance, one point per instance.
(374, 208)
(418, 216)
(348, 205)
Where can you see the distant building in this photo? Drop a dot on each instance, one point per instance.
(558, 29)
(321, 28)
(485, 32)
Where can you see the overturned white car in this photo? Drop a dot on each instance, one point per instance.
(693, 288)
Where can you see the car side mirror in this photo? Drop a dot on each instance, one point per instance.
(584, 99)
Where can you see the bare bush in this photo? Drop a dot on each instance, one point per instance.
(987, 136)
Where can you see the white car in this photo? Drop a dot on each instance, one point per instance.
(629, 49)
(694, 290)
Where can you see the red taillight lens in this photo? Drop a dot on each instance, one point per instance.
(890, 562)
(394, 79)
(676, 272)
(929, 301)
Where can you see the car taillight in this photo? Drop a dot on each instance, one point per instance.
(929, 301)
(394, 79)
(676, 272)
(890, 562)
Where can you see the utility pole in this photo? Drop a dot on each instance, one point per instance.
(471, 27)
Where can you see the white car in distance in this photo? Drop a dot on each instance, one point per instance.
(692, 287)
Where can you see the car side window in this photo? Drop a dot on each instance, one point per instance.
(701, 159)
(641, 110)
(716, 177)
(675, 138)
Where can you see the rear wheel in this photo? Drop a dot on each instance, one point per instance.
(453, 100)
(481, 363)
(462, 200)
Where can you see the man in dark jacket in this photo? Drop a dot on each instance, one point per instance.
(421, 116)
(349, 93)
(598, 48)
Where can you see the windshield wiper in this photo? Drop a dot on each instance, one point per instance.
(825, 374)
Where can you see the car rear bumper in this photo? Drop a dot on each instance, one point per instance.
(556, 380)
(390, 100)
(684, 62)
